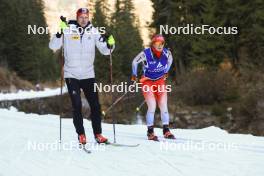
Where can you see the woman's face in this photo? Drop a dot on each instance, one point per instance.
(158, 46)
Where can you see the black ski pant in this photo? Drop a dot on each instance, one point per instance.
(74, 89)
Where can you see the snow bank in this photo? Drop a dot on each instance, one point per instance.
(21, 94)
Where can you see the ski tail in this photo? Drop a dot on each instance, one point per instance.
(121, 145)
(82, 146)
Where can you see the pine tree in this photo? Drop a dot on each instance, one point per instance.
(209, 50)
(128, 39)
(101, 19)
(27, 54)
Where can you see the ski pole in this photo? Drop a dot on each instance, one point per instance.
(140, 106)
(61, 75)
(61, 82)
(111, 82)
(114, 103)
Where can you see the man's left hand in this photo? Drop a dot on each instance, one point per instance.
(110, 41)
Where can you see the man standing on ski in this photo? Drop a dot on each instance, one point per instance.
(156, 62)
(79, 42)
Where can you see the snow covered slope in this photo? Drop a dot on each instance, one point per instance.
(23, 94)
(29, 146)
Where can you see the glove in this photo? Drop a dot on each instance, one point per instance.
(110, 41)
(63, 25)
(134, 78)
(166, 75)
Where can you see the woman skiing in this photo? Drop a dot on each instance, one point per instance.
(156, 62)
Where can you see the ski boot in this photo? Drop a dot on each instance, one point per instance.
(100, 139)
(166, 133)
(151, 135)
(82, 139)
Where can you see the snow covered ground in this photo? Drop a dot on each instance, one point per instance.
(22, 94)
(29, 146)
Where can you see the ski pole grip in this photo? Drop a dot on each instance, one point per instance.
(63, 18)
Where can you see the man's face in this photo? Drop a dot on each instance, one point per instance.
(83, 20)
(158, 46)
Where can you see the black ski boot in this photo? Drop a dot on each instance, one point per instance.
(151, 135)
(166, 132)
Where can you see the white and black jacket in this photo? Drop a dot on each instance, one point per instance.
(79, 50)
